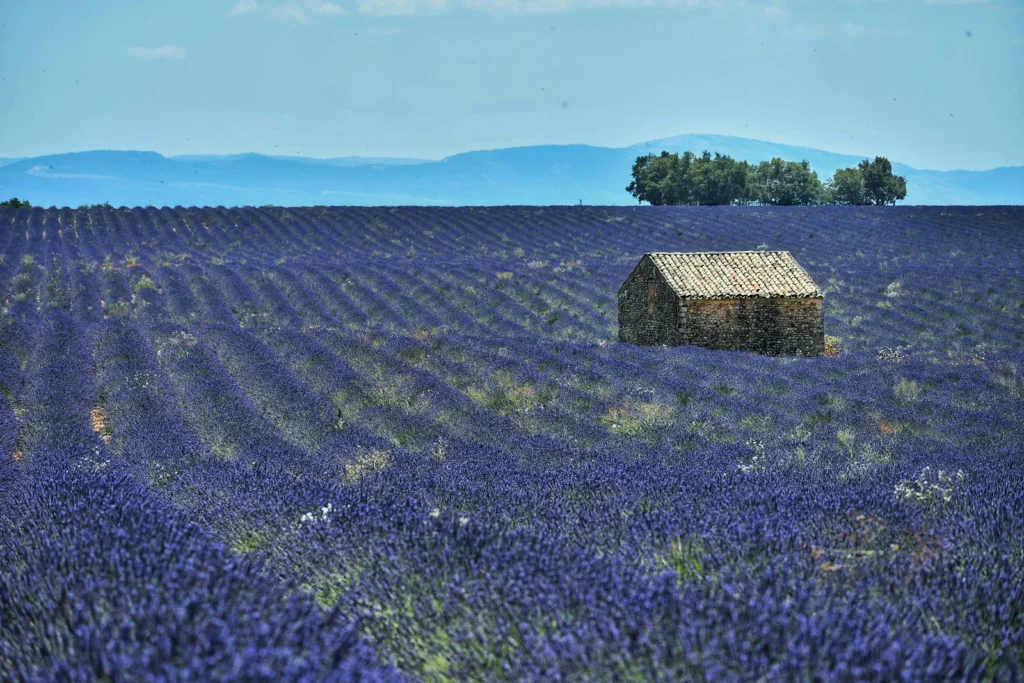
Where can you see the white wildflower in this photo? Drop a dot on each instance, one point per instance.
(930, 488)
(313, 518)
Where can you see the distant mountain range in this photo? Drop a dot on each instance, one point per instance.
(333, 161)
(542, 174)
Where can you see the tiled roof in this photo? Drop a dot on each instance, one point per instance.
(730, 274)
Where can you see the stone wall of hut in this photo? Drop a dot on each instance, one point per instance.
(648, 308)
(650, 313)
(772, 326)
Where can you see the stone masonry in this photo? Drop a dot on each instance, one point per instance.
(744, 301)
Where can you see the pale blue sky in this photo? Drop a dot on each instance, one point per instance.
(931, 83)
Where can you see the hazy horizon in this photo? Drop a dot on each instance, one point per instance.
(370, 158)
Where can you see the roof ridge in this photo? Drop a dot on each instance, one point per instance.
(741, 251)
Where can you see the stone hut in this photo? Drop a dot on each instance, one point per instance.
(760, 301)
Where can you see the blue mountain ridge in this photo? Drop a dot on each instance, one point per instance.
(539, 175)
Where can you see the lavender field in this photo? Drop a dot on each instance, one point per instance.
(405, 443)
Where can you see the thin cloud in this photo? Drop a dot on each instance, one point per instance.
(400, 8)
(221, 186)
(811, 31)
(243, 7)
(305, 11)
(325, 8)
(411, 7)
(45, 172)
(300, 12)
(381, 30)
(927, 2)
(773, 10)
(150, 53)
(858, 31)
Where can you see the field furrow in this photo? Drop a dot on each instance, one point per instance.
(411, 437)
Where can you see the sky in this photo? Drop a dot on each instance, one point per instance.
(935, 84)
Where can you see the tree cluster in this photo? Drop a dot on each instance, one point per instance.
(869, 182)
(721, 180)
(15, 203)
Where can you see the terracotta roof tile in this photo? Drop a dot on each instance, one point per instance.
(731, 274)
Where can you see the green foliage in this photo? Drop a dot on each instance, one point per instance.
(686, 558)
(785, 183)
(906, 391)
(144, 282)
(367, 461)
(689, 179)
(845, 188)
(657, 180)
(881, 187)
(248, 541)
(506, 395)
(720, 181)
(869, 182)
(15, 203)
(118, 308)
(821, 417)
(635, 419)
(846, 438)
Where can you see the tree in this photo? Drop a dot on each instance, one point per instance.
(719, 181)
(785, 183)
(678, 188)
(650, 178)
(881, 187)
(689, 179)
(869, 182)
(15, 203)
(845, 187)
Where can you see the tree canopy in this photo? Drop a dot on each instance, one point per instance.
(846, 188)
(689, 179)
(667, 179)
(15, 203)
(881, 186)
(869, 182)
(786, 183)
